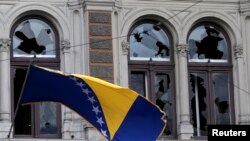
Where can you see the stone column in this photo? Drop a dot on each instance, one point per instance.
(5, 102)
(124, 78)
(185, 129)
(74, 123)
(66, 51)
(67, 113)
(242, 93)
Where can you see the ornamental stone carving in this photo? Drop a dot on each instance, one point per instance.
(65, 46)
(4, 45)
(125, 47)
(238, 52)
(182, 49)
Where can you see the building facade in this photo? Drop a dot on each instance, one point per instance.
(189, 57)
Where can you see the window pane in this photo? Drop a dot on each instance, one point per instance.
(164, 98)
(33, 36)
(207, 42)
(23, 123)
(149, 42)
(221, 98)
(137, 82)
(48, 118)
(198, 101)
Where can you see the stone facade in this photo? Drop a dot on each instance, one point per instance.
(93, 39)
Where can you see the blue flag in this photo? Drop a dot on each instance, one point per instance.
(118, 113)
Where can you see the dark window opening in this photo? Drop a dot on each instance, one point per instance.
(209, 105)
(35, 120)
(23, 124)
(199, 103)
(164, 98)
(137, 79)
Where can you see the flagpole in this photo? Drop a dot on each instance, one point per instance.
(19, 100)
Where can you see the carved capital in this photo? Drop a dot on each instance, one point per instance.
(238, 52)
(125, 47)
(182, 49)
(4, 44)
(65, 46)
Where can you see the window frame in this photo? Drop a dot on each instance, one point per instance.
(57, 46)
(23, 63)
(150, 68)
(229, 61)
(171, 48)
(209, 68)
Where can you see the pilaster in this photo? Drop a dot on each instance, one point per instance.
(5, 109)
(185, 129)
(243, 97)
(72, 122)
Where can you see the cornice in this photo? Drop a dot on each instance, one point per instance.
(106, 5)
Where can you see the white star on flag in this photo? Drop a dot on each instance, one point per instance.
(96, 110)
(92, 99)
(104, 132)
(86, 91)
(100, 121)
(80, 84)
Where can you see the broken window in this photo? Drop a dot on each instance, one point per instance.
(149, 41)
(151, 68)
(210, 76)
(198, 102)
(48, 118)
(34, 37)
(164, 98)
(207, 42)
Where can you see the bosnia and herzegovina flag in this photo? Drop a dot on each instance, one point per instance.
(118, 113)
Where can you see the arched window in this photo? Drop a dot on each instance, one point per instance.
(151, 67)
(210, 77)
(34, 38)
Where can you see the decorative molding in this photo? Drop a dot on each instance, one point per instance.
(75, 4)
(182, 49)
(125, 47)
(65, 46)
(100, 5)
(238, 52)
(5, 44)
